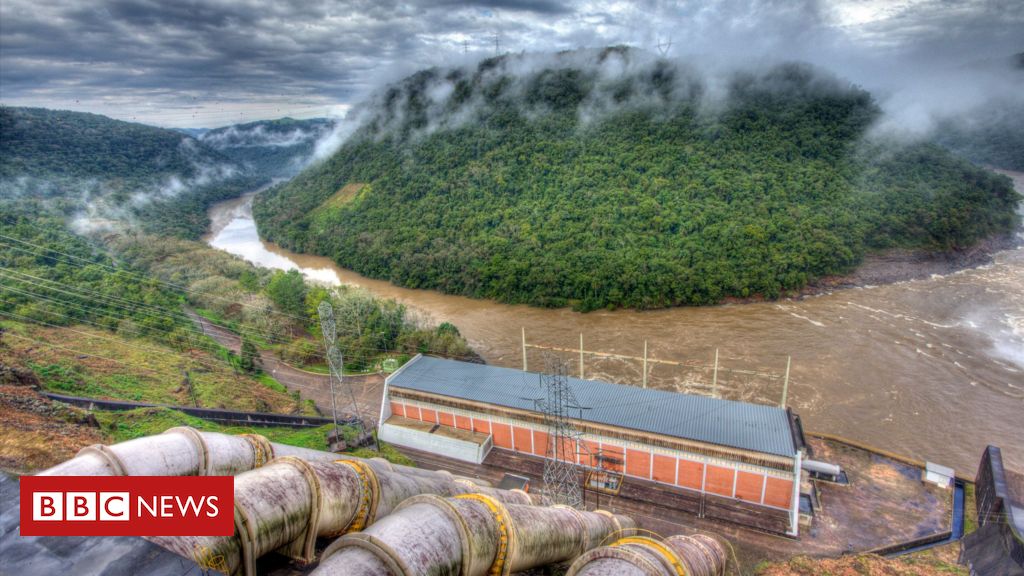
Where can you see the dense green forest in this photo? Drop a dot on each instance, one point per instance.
(610, 178)
(116, 170)
(49, 274)
(272, 148)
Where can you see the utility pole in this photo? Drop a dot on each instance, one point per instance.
(785, 383)
(714, 377)
(524, 350)
(645, 363)
(187, 382)
(581, 355)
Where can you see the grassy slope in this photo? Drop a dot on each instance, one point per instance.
(104, 364)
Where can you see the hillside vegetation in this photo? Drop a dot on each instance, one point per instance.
(272, 148)
(104, 170)
(609, 178)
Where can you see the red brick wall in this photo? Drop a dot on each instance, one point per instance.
(778, 492)
(612, 451)
(481, 425)
(568, 450)
(589, 454)
(691, 474)
(638, 463)
(719, 480)
(446, 419)
(502, 434)
(540, 443)
(429, 415)
(523, 439)
(412, 412)
(748, 486)
(664, 469)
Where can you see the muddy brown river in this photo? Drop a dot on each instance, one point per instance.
(932, 368)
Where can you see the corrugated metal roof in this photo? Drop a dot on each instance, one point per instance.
(724, 422)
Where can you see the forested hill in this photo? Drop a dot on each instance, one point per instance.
(612, 178)
(41, 142)
(90, 164)
(274, 148)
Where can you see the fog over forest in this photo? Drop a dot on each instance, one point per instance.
(221, 63)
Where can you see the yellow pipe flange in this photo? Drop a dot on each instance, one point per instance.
(369, 495)
(667, 553)
(501, 565)
(262, 449)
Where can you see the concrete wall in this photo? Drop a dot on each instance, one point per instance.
(435, 443)
(740, 481)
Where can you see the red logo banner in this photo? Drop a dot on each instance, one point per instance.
(127, 505)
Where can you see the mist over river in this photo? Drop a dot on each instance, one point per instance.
(932, 368)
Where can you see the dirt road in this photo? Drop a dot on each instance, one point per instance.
(366, 389)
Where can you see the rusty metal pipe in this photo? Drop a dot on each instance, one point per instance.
(697, 555)
(287, 504)
(471, 535)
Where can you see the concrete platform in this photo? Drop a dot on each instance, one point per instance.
(464, 445)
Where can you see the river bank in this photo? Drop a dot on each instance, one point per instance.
(889, 364)
(902, 265)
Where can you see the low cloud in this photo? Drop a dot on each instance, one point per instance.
(218, 63)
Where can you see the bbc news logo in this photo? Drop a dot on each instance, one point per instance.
(127, 506)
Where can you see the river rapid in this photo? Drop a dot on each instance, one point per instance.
(931, 368)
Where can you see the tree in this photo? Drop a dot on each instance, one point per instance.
(288, 291)
(249, 357)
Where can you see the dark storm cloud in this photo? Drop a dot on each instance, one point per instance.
(189, 63)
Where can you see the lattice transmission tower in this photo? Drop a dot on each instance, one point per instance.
(559, 406)
(335, 362)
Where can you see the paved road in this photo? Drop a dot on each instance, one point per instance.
(366, 389)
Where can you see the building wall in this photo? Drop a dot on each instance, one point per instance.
(741, 481)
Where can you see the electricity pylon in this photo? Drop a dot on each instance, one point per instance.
(335, 362)
(561, 474)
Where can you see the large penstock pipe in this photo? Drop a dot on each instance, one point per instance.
(697, 555)
(470, 535)
(185, 451)
(287, 504)
(821, 468)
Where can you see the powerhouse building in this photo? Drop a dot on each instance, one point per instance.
(740, 459)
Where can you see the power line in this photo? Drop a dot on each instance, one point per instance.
(121, 342)
(249, 331)
(116, 317)
(188, 322)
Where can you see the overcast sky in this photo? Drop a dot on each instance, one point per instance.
(186, 63)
